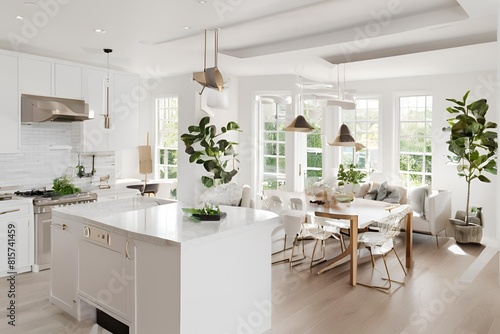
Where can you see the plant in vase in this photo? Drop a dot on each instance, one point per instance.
(349, 177)
(217, 155)
(473, 146)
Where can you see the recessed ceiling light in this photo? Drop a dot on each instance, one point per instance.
(30, 4)
(187, 28)
(19, 17)
(100, 31)
(201, 2)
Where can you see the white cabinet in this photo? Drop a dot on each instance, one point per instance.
(68, 81)
(64, 270)
(106, 272)
(123, 133)
(35, 76)
(15, 222)
(9, 105)
(95, 136)
(123, 110)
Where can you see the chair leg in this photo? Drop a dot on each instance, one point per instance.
(323, 255)
(386, 288)
(282, 251)
(437, 241)
(371, 255)
(291, 260)
(400, 263)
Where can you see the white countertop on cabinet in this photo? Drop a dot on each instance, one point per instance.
(162, 222)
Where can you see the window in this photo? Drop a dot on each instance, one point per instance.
(314, 147)
(363, 123)
(415, 141)
(273, 139)
(167, 114)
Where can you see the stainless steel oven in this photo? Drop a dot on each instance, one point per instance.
(43, 202)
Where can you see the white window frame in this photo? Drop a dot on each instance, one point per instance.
(157, 147)
(397, 139)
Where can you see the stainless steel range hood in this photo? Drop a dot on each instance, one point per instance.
(36, 108)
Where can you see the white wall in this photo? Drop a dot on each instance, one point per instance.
(223, 104)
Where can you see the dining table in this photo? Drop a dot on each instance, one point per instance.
(360, 213)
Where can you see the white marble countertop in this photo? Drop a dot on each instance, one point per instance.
(163, 222)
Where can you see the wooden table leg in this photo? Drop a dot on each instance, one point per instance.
(409, 240)
(353, 245)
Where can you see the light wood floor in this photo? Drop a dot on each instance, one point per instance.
(432, 300)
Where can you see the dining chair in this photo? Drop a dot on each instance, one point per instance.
(274, 204)
(292, 224)
(296, 203)
(320, 231)
(381, 242)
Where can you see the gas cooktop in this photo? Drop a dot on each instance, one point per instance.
(37, 193)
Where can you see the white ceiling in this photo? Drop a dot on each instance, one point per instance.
(377, 38)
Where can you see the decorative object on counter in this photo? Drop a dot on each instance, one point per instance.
(210, 213)
(106, 96)
(343, 198)
(210, 77)
(473, 146)
(63, 185)
(215, 156)
(145, 162)
(104, 182)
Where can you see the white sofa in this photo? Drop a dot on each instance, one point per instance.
(431, 208)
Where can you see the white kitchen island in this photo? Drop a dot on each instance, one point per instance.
(156, 270)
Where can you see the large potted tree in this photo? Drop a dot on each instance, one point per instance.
(473, 146)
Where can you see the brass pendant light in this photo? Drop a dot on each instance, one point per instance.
(106, 94)
(210, 77)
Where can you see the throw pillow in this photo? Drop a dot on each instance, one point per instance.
(382, 192)
(371, 195)
(392, 197)
(417, 200)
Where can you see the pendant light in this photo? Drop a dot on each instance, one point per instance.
(344, 138)
(300, 124)
(341, 101)
(106, 94)
(210, 77)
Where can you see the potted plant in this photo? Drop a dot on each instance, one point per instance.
(217, 155)
(473, 146)
(349, 178)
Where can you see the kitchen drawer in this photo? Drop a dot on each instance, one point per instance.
(14, 208)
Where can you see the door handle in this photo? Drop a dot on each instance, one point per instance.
(127, 254)
(9, 211)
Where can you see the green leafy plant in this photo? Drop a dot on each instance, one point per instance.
(213, 153)
(64, 186)
(472, 144)
(206, 210)
(349, 175)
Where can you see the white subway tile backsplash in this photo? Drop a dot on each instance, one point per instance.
(48, 150)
